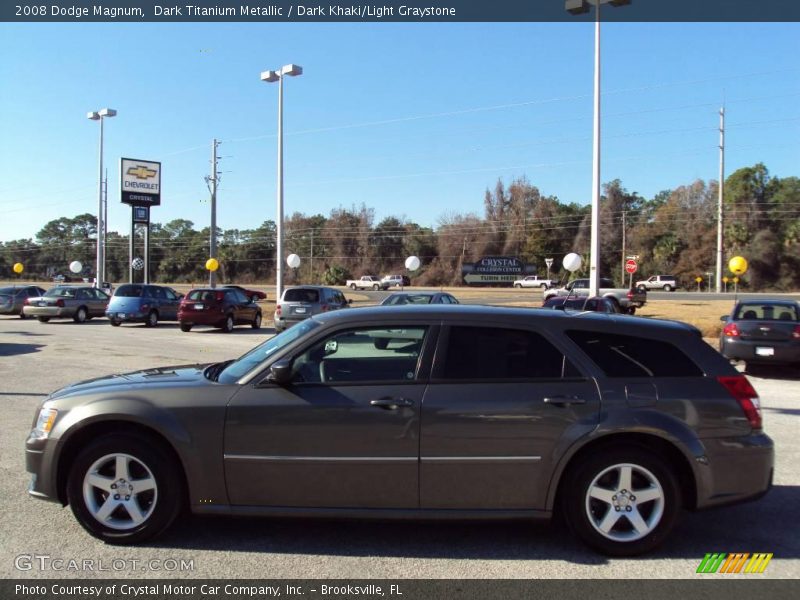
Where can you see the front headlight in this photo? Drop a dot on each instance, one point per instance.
(47, 416)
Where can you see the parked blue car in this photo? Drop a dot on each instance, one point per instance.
(140, 303)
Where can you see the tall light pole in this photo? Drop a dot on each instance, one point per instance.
(719, 201)
(576, 7)
(100, 268)
(271, 77)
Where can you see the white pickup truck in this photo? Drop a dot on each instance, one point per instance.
(533, 281)
(668, 283)
(627, 299)
(367, 282)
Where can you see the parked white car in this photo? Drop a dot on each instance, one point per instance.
(533, 281)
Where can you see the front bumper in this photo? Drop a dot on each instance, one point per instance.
(735, 470)
(39, 462)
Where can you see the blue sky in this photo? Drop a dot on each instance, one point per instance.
(413, 120)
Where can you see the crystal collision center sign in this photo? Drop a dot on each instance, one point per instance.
(493, 270)
(141, 182)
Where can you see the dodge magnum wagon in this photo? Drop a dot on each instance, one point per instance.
(618, 423)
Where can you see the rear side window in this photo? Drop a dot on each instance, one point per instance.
(502, 354)
(301, 295)
(629, 356)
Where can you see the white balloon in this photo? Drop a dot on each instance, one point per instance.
(412, 263)
(293, 261)
(75, 266)
(572, 262)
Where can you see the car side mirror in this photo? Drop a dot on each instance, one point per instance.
(723, 318)
(280, 372)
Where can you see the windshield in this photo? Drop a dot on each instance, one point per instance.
(244, 364)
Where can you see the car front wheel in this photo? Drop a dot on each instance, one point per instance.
(186, 327)
(227, 326)
(80, 315)
(125, 489)
(152, 319)
(621, 502)
(257, 321)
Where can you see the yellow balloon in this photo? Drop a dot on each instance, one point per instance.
(18, 268)
(738, 265)
(212, 264)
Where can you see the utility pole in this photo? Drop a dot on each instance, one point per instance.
(212, 181)
(105, 230)
(719, 202)
(624, 213)
(312, 258)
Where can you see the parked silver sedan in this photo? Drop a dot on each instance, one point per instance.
(79, 303)
(13, 298)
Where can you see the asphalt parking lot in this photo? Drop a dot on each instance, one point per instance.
(37, 358)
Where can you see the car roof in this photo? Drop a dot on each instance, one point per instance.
(515, 315)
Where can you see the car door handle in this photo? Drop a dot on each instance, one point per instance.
(564, 400)
(391, 403)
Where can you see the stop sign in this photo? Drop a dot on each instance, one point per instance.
(630, 266)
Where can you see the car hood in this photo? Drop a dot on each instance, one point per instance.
(183, 376)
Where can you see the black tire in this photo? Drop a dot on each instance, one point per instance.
(658, 516)
(517, 285)
(185, 327)
(256, 324)
(352, 286)
(22, 315)
(43, 319)
(631, 310)
(227, 326)
(81, 315)
(115, 322)
(152, 319)
(667, 288)
(376, 287)
(158, 507)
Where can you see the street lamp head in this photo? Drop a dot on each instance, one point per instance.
(293, 70)
(93, 116)
(270, 76)
(576, 7)
(108, 112)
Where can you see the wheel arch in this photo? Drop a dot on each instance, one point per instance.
(81, 436)
(665, 449)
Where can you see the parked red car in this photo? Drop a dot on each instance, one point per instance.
(220, 307)
(254, 295)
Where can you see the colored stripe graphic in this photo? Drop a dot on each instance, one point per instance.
(734, 562)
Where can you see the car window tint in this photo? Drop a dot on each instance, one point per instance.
(498, 353)
(629, 356)
(301, 295)
(767, 312)
(359, 355)
(129, 291)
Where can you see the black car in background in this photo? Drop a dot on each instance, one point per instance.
(763, 332)
(13, 298)
(615, 422)
(400, 298)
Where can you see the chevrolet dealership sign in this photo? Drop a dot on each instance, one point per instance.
(141, 182)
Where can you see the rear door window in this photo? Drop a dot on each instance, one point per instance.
(494, 353)
(630, 356)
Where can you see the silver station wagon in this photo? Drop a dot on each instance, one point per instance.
(616, 422)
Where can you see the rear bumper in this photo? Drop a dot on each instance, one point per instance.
(784, 352)
(53, 312)
(282, 323)
(127, 317)
(735, 470)
(214, 319)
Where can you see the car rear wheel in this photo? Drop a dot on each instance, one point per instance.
(125, 489)
(115, 322)
(43, 319)
(257, 321)
(352, 286)
(631, 310)
(22, 315)
(517, 285)
(376, 287)
(667, 288)
(621, 502)
(80, 315)
(152, 319)
(186, 327)
(227, 327)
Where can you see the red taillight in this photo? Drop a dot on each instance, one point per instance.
(27, 301)
(60, 303)
(739, 387)
(630, 295)
(730, 330)
(278, 311)
(796, 332)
